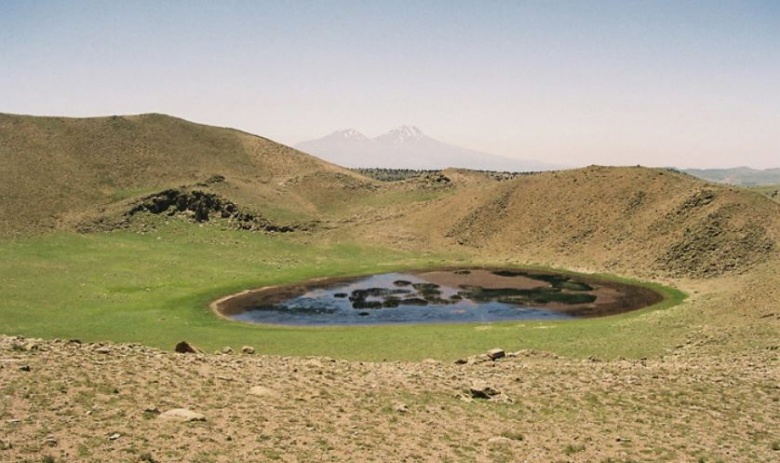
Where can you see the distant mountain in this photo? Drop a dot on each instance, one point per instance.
(744, 176)
(407, 147)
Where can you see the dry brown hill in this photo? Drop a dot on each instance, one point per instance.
(54, 168)
(629, 220)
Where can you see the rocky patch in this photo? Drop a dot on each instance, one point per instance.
(200, 206)
(78, 404)
(193, 205)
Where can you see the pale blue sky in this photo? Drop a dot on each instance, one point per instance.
(659, 83)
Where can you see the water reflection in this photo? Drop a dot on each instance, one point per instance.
(432, 297)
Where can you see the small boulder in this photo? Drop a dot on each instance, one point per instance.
(496, 354)
(185, 347)
(182, 414)
(227, 350)
(248, 350)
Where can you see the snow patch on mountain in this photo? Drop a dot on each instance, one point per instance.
(407, 147)
(349, 134)
(403, 134)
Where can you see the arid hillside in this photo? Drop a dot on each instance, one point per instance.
(73, 173)
(640, 221)
(55, 171)
(102, 402)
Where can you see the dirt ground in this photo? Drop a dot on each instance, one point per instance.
(79, 402)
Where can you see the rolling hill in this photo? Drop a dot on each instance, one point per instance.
(54, 170)
(60, 172)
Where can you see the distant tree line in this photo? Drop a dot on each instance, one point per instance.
(397, 175)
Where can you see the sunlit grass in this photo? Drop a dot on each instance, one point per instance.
(155, 289)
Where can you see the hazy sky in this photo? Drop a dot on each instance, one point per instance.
(658, 83)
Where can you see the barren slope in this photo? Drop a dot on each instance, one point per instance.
(95, 403)
(52, 169)
(635, 221)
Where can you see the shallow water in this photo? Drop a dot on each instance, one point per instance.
(388, 299)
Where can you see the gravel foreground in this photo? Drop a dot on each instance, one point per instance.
(64, 401)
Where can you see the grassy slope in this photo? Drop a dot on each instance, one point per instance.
(154, 288)
(770, 191)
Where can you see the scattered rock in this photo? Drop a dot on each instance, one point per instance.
(182, 414)
(32, 346)
(496, 354)
(103, 350)
(51, 441)
(481, 390)
(248, 350)
(227, 350)
(151, 411)
(114, 436)
(185, 347)
(461, 361)
(25, 368)
(401, 408)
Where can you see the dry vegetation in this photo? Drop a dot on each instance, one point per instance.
(715, 396)
(105, 403)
